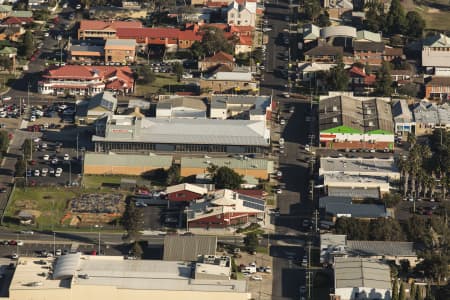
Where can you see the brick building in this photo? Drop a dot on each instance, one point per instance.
(120, 51)
(185, 192)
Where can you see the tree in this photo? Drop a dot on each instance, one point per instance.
(395, 290)
(375, 18)
(338, 77)
(6, 63)
(132, 221)
(383, 85)
(415, 24)
(402, 293)
(412, 291)
(27, 44)
(226, 178)
(214, 40)
(136, 249)
(391, 200)
(145, 75)
(383, 229)
(419, 293)
(324, 19)
(396, 21)
(178, 70)
(4, 141)
(173, 175)
(312, 9)
(27, 148)
(20, 167)
(251, 241)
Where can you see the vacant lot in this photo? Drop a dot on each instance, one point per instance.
(166, 82)
(435, 12)
(94, 182)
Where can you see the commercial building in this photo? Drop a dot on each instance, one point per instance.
(134, 134)
(436, 54)
(438, 88)
(229, 82)
(380, 183)
(429, 116)
(403, 118)
(86, 80)
(358, 193)
(124, 164)
(241, 107)
(336, 207)
(120, 51)
(181, 107)
(225, 208)
(255, 167)
(185, 192)
(94, 29)
(360, 167)
(189, 248)
(361, 278)
(76, 276)
(347, 122)
(98, 106)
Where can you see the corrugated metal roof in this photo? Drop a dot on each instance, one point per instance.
(380, 248)
(354, 192)
(120, 42)
(230, 162)
(188, 248)
(131, 160)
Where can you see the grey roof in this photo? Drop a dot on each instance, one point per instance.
(311, 32)
(105, 100)
(368, 35)
(188, 248)
(87, 48)
(186, 131)
(429, 113)
(360, 193)
(233, 163)
(21, 14)
(66, 266)
(340, 206)
(364, 115)
(120, 42)
(334, 31)
(191, 107)
(258, 104)
(330, 240)
(131, 160)
(380, 248)
(361, 272)
(368, 46)
(325, 50)
(437, 41)
(401, 112)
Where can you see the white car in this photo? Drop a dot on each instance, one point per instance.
(37, 172)
(19, 243)
(286, 95)
(279, 191)
(3, 114)
(58, 252)
(282, 121)
(44, 172)
(46, 34)
(256, 277)
(59, 170)
(66, 157)
(14, 256)
(281, 141)
(46, 157)
(279, 173)
(54, 161)
(33, 118)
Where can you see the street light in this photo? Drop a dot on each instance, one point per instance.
(59, 38)
(99, 237)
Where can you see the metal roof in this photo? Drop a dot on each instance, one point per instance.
(334, 191)
(401, 111)
(429, 113)
(120, 42)
(343, 206)
(232, 76)
(66, 266)
(358, 165)
(361, 272)
(230, 162)
(368, 35)
(131, 160)
(380, 248)
(188, 248)
(334, 31)
(186, 131)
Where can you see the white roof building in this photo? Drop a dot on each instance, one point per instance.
(359, 167)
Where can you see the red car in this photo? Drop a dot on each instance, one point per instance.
(12, 243)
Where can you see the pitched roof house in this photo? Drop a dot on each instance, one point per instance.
(103, 29)
(219, 58)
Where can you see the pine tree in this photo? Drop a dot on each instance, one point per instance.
(402, 293)
(395, 290)
(412, 291)
(384, 81)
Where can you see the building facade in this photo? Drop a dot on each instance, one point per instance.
(94, 29)
(121, 51)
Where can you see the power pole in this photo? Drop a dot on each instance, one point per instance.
(316, 220)
(309, 274)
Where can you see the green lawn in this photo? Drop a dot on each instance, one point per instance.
(163, 81)
(50, 204)
(96, 181)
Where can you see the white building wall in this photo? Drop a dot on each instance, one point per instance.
(365, 293)
(352, 137)
(218, 113)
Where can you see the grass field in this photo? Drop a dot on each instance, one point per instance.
(96, 181)
(49, 205)
(436, 13)
(165, 81)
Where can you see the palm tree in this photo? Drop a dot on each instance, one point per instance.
(404, 168)
(411, 140)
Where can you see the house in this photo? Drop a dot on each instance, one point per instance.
(374, 167)
(336, 8)
(359, 278)
(256, 167)
(324, 54)
(224, 208)
(5, 11)
(438, 88)
(241, 107)
(403, 118)
(86, 80)
(12, 34)
(219, 58)
(94, 29)
(429, 116)
(436, 54)
(98, 106)
(401, 77)
(124, 164)
(308, 72)
(242, 13)
(181, 107)
(392, 54)
(244, 44)
(360, 82)
(368, 52)
(185, 192)
(337, 207)
(348, 122)
(311, 33)
(229, 82)
(17, 21)
(121, 51)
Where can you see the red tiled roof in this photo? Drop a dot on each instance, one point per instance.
(357, 71)
(245, 40)
(148, 32)
(388, 51)
(216, 4)
(99, 25)
(370, 79)
(220, 57)
(189, 35)
(222, 26)
(252, 193)
(17, 20)
(241, 28)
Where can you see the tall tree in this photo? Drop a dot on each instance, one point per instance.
(145, 75)
(20, 167)
(133, 221)
(395, 290)
(375, 17)
(214, 40)
(415, 24)
(384, 81)
(137, 249)
(4, 141)
(396, 20)
(402, 293)
(27, 44)
(178, 70)
(226, 178)
(173, 175)
(251, 241)
(312, 9)
(338, 77)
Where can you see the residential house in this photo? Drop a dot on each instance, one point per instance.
(255, 167)
(403, 118)
(94, 29)
(310, 72)
(360, 82)
(336, 207)
(311, 33)
(325, 54)
(336, 8)
(185, 192)
(348, 122)
(13, 33)
(359, 278)
(219, 58)
(121, 51)
(244, 44)
(98, 106)
(438, 88)
(11, 53)
(124, 164)
(17, 21)
(224, 208)
(181, 107)
(436, 54)
(393, 55)
(242, 13)
(368, 52)
(229, 82)
(401, 77)
(5, 11)
(429, 116)
(241, 107)
(86, 80)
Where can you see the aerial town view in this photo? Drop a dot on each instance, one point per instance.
(224, 149)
